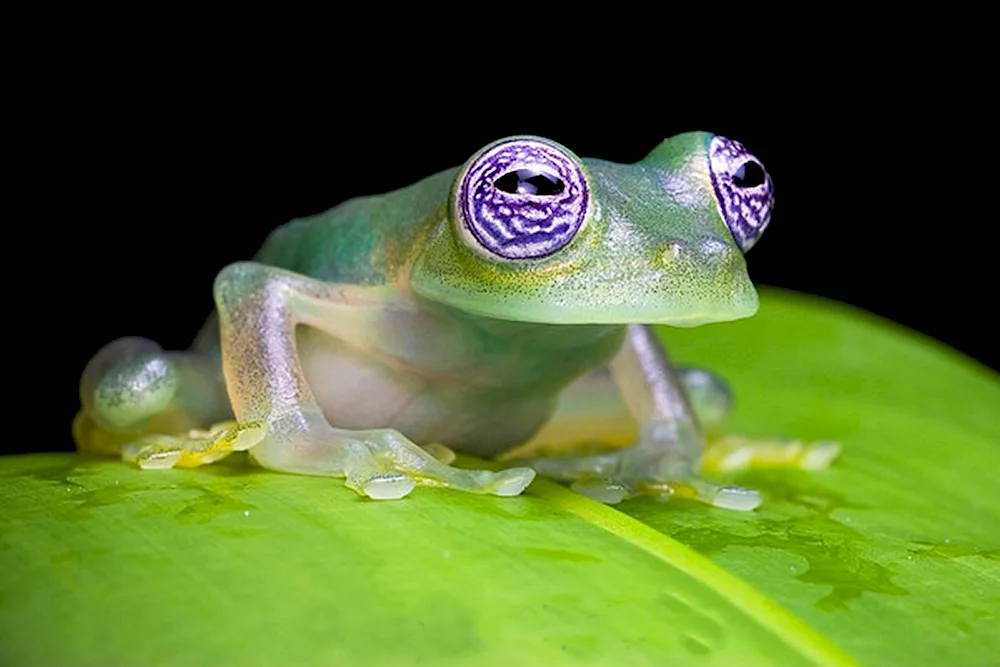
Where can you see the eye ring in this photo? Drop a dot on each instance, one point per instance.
(744, 192)
(522, 198)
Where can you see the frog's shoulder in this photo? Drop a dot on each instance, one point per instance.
(363, 241)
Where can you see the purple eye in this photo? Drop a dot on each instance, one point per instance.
(743, 190)
(523, 198)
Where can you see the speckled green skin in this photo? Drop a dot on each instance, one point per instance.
(415, 335)
(656, 250)
(364, 241)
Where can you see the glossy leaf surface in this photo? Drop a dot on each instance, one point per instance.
(890, 557)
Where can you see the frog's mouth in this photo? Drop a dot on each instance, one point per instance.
(674, 316)
(643, 297)
(596, 311)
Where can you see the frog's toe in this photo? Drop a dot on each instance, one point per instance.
(613, 477)
(510, 482)
(154, 452)
(386, 486)
(605, 491)
(196, 448)
(384, 465)
(739, 453)
(728, 497)
(369, 474)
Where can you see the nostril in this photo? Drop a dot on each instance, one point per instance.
(673, 252)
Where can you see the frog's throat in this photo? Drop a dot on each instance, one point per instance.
(644, 308)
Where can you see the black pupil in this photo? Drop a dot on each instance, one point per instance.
(749, 175)
(529, 182)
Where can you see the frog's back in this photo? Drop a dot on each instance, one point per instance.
(363, 241)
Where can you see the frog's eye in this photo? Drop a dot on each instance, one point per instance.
(521, 199)
(743, 190)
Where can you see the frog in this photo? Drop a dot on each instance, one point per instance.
(504, 309)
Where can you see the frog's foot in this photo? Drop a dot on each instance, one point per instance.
(646, 469)
(196, 448)
(637, 471)
(382, 464)
(731, 452)
(615, 476)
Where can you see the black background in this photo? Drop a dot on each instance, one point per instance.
(143, 187)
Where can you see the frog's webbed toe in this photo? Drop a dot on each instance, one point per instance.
(381, 463)
(732, 452)
(653, 468)
(639, 471)
(194, 448)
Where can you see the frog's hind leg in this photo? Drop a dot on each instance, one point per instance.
(591, 414)
(595, 442)
(673, 416)
(155, 408)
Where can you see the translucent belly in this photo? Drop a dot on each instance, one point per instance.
(358, 390)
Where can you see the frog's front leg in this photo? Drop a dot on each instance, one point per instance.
(259, 308)
(670, 413)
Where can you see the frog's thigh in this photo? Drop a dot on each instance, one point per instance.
(148, 405)
(259, 309)
(591, 412)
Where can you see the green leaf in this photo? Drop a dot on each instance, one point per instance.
(891, 555)
(895, 550)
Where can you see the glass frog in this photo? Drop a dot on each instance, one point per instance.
(501, 308)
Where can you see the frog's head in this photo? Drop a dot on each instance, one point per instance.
(536, 234)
